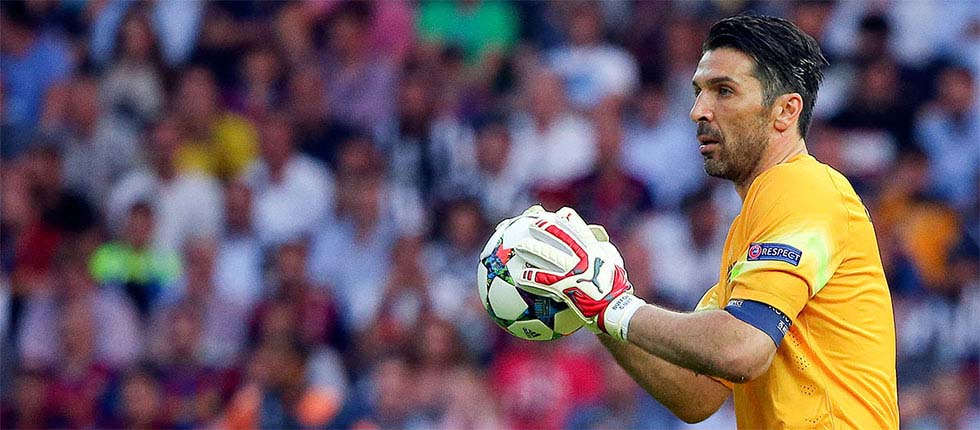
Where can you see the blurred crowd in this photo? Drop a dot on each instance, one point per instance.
(268, 214)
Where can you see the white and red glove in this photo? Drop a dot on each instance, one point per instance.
(575, 263)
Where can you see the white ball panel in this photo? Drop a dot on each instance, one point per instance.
(531, 330)
(481, 283)
(517, 231)
(505, 301)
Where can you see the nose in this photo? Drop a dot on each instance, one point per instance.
(700, 111)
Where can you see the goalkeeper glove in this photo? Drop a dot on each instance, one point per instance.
(575, 263)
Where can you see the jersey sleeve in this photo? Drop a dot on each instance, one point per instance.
(795, 230)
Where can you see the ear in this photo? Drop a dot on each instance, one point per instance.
(786, 111)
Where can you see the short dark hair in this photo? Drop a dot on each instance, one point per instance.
(787, 60)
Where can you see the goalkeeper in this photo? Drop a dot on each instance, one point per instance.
(799, 326)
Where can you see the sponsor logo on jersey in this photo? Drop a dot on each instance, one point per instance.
(774, 252)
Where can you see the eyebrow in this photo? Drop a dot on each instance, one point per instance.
(717, 80)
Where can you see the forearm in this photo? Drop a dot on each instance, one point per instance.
(709, 342)
(690, 396)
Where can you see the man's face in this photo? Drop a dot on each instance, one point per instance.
(733, 124)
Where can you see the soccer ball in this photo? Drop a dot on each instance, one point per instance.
(523, 314)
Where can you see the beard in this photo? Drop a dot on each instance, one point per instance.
(738, 156)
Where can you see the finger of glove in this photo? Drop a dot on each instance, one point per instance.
(599, 232)
(569, 220)
(563, 237)
(534, 210)
(545, 256)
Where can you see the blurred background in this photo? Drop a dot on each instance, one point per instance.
(245, 214)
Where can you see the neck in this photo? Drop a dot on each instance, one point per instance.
(777, 154)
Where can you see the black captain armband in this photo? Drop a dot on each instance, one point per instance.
(761, 316)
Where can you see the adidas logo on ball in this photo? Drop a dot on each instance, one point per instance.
(531, 334)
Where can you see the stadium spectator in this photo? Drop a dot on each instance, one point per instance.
(261, 90)
(943, 128)
(119, 333)
(539, 386)
(450, 258)
(97, 148)
(80, 380)
(53, 217)
(609, 194)
(404, 303)
(277, 393)
(176, 26)
(621, 406)
(223, 318)
(118, 330)
(412, 153)
(311, 314)
(132, 87)
(361, 83)
(130, 263)
(189, 388)
(33, 58)
(499, 175)
(292, 193)
(240, 262)
(595, 71)
(483, 31)
(655, 148)
(470, 404)
(187, 204)
(674, 269)
(318, 133)
(359, 228)
(216, 141)
(140, 402)
(389, 396)
(559, 144)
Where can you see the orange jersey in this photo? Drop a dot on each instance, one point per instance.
(804, 244)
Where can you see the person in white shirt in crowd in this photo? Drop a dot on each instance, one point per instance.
(132, 86)
(292, 191)
(557, 144)
(944, 129)
(98, 149)
(655, 148)
(680, 271)
(176, 26)
(500, 179)
(351, 251)
(186, 204)
(592, 68)
(239, 261)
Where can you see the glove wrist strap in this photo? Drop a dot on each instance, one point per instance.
(616, 317)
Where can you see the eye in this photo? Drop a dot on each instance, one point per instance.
(725, 91)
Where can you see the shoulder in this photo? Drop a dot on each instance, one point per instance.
(803, 179)
(803, 185)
